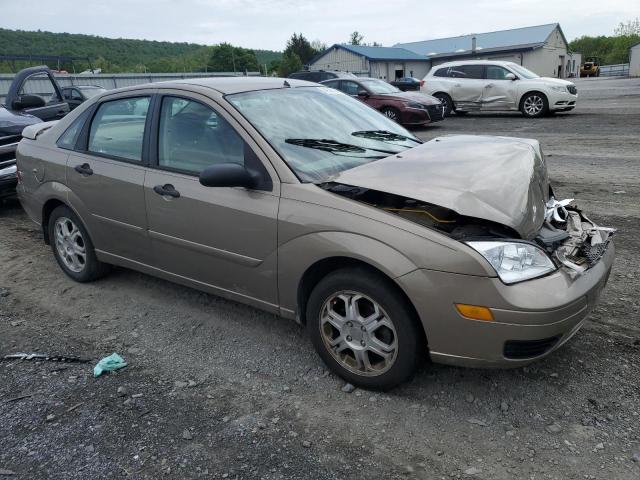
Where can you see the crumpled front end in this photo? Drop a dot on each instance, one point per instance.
(572, 239)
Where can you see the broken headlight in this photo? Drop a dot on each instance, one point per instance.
(514, 261)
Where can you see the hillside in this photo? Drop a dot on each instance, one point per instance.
(111, 54)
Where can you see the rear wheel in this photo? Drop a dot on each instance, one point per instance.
(363, 329)
(391, 113)
(534, 105)
(446, 100)
(72, 247)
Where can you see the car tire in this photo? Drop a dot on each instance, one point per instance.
(391, 113)
(72, 247)
(446, 99)
(534, 105)
(381, 321)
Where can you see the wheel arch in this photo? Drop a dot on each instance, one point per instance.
(48, 207)
(523, 96)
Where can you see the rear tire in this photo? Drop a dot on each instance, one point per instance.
(391, 113)
(446, 99)
(364, 329)
(534, 105)
(72, 247)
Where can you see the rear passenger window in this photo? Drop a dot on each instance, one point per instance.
(70, 136)
(117, 128)
(468, 71)
(193, 136)
(441, 72)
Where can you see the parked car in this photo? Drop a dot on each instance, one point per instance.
(34, 96)
(79, 93)
(320, 75)
(408, 83)
(590, 68)
(483, 85)
(407, 108)
(304, 202)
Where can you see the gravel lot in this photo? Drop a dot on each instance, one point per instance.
(219, 390)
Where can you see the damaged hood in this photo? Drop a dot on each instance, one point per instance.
(499, 179)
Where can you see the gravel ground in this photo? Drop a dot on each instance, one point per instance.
(215, 389)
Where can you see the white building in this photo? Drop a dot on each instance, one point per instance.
(542, 49)
(634, 61)
(386, 63)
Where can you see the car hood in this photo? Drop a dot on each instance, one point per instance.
(12, 122)
(554, 81)
(411, 97)
(500, 179)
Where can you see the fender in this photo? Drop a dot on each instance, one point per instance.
(300, 253)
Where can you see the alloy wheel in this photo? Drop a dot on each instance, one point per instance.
(70, 244)
(392, 114)
(533, 105)
(358, 333)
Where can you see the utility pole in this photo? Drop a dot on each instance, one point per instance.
(233, 58)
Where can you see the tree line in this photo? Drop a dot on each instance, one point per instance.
(609, 50)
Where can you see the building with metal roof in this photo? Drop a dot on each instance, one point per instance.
(634, 61)
(387, 63)
(541, 48)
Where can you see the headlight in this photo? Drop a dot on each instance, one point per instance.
(514, 261)
(416, 105)
(559, 88)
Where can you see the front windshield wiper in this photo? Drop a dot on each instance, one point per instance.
(332, 146)
(383, 135)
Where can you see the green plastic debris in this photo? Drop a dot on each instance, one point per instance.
(109, 364)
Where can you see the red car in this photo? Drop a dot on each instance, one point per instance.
(407, 108)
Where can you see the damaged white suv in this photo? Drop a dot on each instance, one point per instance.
(475, 85)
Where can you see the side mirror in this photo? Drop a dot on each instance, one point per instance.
(510, 76)
(363, 93)
(28, 101)
(227, 175)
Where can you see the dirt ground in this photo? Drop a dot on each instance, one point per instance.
(215, 389)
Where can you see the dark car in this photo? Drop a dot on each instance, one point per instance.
(407, 108)
(320, 75)
(34, 96)
(408, 83)
(79, 93)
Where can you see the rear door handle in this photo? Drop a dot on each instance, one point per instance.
(166, 190)
(83, 169)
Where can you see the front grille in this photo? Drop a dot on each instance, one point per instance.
(436, 112)
(572, 89)
(519, 349)
(8, 147)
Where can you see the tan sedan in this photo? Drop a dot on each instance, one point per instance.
(301, 201)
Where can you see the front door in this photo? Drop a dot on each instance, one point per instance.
(222, 237)
(499, 92)
(43, 85)
(106, 175)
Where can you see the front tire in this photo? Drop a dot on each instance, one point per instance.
(72, 247)
(391, 113)
(448, 102)
(364, 329)
(534, 105)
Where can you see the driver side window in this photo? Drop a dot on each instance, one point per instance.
(494, 72)
(350, 88)
(40, 84)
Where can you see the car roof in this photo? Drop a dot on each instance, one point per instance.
(229, 85)
(474, 62)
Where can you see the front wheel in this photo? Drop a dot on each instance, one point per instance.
(72, 247)
(446, 100)
(534, 105)
(391, 113)
(364, 329)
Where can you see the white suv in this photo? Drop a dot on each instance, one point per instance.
(492, 86)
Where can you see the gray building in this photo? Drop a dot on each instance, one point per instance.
(634, 61)
(386, 63)
(542, 49)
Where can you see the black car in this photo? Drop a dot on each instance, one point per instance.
(79, 93)
(320, 75)
(34, 96)
(407, 83)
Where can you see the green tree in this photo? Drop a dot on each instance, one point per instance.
(227, 58)
(299, 46)
(356, 38)
(290, 63)
(628, 28)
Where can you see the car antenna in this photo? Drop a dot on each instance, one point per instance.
(286, 84)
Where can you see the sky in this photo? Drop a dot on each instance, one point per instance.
(267, 24)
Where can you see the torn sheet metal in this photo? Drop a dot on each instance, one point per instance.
(587, 242)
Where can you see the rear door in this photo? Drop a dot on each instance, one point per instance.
(106, 176)
(222, 237)
(468, 85)
(499, 92)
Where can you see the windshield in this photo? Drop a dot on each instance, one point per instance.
(320, 132)
(523, 72)
(92, 91)
(379, 86)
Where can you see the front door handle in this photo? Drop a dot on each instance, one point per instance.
(166, 190)
(83, 169)
(490, 85)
